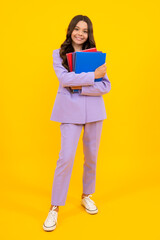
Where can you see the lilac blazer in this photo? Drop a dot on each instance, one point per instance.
(79, 108)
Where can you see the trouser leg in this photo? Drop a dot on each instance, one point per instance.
(91, 141)
(70, 134)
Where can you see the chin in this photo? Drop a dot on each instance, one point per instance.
(79, 42)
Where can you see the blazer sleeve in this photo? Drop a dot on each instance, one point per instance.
(98, 88)
(70, 79)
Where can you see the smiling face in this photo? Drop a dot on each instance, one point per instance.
(79, 35)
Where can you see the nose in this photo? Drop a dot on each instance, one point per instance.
(80, 33)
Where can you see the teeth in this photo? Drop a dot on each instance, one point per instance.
(79, 38)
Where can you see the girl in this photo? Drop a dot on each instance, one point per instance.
(78, 104)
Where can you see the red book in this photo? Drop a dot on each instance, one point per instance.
(69, 60)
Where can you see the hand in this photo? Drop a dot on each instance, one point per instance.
(77, 87)
(100, 71)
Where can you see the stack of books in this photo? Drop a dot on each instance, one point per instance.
(86, 60)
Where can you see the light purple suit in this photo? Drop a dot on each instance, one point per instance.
(79, 108)
(76, 111)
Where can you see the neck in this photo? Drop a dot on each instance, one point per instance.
(77, 47)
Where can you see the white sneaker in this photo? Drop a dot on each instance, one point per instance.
(51, 220)
(89, 204)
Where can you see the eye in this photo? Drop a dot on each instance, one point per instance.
(78, 29)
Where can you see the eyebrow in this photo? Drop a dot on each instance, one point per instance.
(84, 28)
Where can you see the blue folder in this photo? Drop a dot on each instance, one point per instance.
(73, 59)
(89, 61)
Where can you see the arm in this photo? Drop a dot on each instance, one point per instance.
(98, 89)
(69, 79)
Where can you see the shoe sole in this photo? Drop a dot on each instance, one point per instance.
(90, 211)
(49, 229)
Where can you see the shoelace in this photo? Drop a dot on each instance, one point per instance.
(52, 215)
(89, 201)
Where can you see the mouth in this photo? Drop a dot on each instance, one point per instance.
(79, 38)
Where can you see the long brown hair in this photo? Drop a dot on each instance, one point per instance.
(67, 47)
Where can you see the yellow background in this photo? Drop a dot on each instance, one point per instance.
(128, 169)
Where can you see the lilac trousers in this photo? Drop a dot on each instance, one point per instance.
(70, 134)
